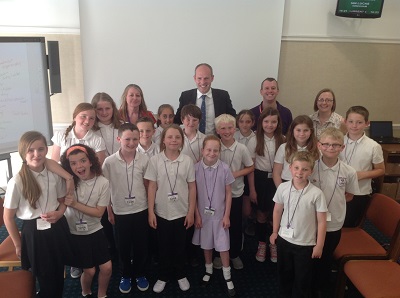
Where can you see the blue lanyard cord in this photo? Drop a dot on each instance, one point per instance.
(198, 147)
(334, 189)
(298, 200)
(130, 187)
(348, 160)
(233, 156)
(176, 176)
(269, 156)
(47, 197)
(210, 198)
(81, 214)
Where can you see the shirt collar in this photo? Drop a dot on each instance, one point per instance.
(304, 190)
(267, 139)
(350, 141)
(142, 150)
(231, 148)
(214, 166)
(324, 167)
(165, 158)
(208, 94)
(43, 173)
(85, 137)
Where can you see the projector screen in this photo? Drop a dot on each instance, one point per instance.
(157, 44)
(24, 90)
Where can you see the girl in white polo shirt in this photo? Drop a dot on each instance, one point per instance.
(107, 121)
(79, 132)
(85, 208)
(171, 203)
(32, 195)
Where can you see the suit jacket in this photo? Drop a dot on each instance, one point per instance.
(221, 98)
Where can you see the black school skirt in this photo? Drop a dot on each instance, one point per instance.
(41, 250)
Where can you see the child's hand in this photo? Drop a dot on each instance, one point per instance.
(198, 222)
(272, 238)
(18, 252)
(52, 217)
(226, 223)
(111, 218)
(69, 200)
(253, 197)
(189, 220)
(152, 220)
(317, 252)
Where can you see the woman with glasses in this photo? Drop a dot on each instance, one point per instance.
(324, 115)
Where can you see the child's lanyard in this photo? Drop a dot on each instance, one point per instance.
(233, 156)
(176, 177)
(197, 158)
(47, 197)
(210, 198)
(127, 179)
(289, 223)
(247, 139)
(112, 146)
(334, 189)
(348, 160)
(81, 214)
(269, 156)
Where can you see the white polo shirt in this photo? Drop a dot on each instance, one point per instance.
(300, 210)
(157, 135)
(153, 150)
(53, 188)
(90, 139)
(266, 163)
(109, 135)
(250, 142)
(280, 158)
(171, 176)
(361, 155)
(192, 148)
(334, 183)
(124, 179)
(93, 192)
(236, 157)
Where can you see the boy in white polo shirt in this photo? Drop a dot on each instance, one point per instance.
(238, 158)
(191, 116)
(365, 156)
(125, 170)
(338, 182)
(299, 227)
(146, 144)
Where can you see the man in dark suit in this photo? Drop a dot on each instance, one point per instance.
(212, 102)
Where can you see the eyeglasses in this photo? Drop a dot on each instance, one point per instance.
(326, 100)
(334, 146)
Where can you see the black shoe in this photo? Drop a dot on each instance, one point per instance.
(204, 283)
(231, 292)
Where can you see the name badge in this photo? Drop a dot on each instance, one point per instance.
(328, 216)
(130, 200)
(81, 226)
(209, 211)
(173, 196)
(287, 232)
(269, 175)
(41, 224)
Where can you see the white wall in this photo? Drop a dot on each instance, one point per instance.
(156, 44)
(316, 20)
(38, 16)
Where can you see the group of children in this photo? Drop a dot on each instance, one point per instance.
(174, 179)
